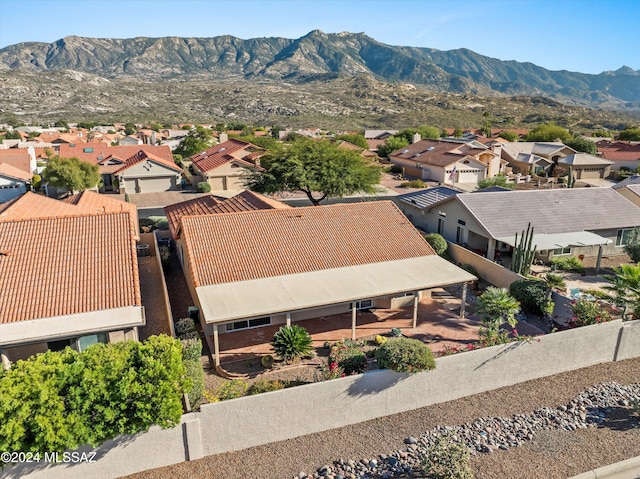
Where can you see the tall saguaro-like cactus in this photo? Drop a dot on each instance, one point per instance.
(523, 252)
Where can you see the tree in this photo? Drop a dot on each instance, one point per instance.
(393, 143)
(425, 131)
(632, 248)
(71, 173)
(437, 242)
(198, 139)
(508, 135)
(356, 139)
(314, 167)
(548, 132)
(13, 135)
(292, 342)
(457, 132)
(625, 287)
(129, 129)
(629, 134)
(581, 144)
(498, 307)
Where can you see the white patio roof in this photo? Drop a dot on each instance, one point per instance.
(543, 241)
(263, 297)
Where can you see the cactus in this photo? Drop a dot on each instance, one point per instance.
(523, 252)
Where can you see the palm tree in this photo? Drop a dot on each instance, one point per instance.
(625, 287)
(498, 308)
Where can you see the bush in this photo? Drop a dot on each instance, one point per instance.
(567, 263)
(36, 182)
(349, 357)
(291, 342)
(191, 349)
(266, 361)
(414, 184)
(183, 326)
(405, 356)
(395, 169)
(447, 460)
(265, 386)
(532, 295)
(231, 389)
(469, 269)
(437, 242)
(203, 187)
(588, 312)
(196, 375)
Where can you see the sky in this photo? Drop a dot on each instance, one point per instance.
(588, 36)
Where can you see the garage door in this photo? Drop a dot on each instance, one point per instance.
(591, 174)
(468, 176)
(154, 185)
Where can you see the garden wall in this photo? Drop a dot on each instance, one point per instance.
(279, 415)
(491, 272)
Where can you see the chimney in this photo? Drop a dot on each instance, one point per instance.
(153, 137)
(223, 137)
(416, 138)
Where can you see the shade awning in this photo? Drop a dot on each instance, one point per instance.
(266, 296)
(545, 241)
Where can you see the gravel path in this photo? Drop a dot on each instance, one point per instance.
(553, 454)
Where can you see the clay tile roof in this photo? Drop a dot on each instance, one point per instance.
(231, 150)
(142, 155)
(210, 205)
(268, 243)
(94, 152)
(33, 206)
(13, 172)
(65, 265)
(16, 157)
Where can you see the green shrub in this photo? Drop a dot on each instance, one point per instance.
(567, 263)
(184, 325)
(36, 182)
(414, 184)
(395, 169)
(469, 269)
(266, 361)
(292, 342)
(588, 312)
(532, 295)
(231, 389)
(203, 187)
(447, 459)
(405, 356)
(265, 386)
(437, 242)
(191, 349)
(196, 375)
(349, 357)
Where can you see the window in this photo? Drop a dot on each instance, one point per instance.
(84, 342)
(562, 251)
(623, 237)
(364, 304)
(247, 324)
(440, 226)
(461, 222)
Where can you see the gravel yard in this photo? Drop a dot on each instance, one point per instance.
(550, 454)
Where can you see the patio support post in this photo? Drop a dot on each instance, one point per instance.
(463, 300)
(416, 300)
(216, 345)
(599, 259)
(491, 249)
(288, 319)
(353, 321)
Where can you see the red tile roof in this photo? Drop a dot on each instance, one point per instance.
(436, 152)
(16, 157)
(231, 150)
(34, 206)
(99, 151)
(12, 172)
(261, 244)
(61, 266)
(143, 155)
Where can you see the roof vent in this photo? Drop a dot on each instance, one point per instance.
(430, 148)
(4, 252)
(405, 151)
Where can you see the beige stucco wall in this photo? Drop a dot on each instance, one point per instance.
(227, 177)
(630, 195)
(127, 178)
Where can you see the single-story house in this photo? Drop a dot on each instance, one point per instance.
(145, 173)
(624, 154)
(584, 166)
(537, 157)
(225, 165)
(14, 182)
(277, 266)
(567, 221)
(629, 188)
(448, 161)
(68, 276)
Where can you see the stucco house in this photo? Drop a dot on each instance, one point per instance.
(623, 154)
(448, 161)
(537, 157)
(567, 221)
(14, 182)
(584, 166)
(68, 275)
(225, 165)
(147, 173)
(278, 266)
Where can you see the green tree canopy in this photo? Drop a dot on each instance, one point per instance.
(425, 131)
(13, 135)
(198, 139)
(357, 139)
(548, 132)
(629, 134)
(71, 173)
(266, 142)
(581, 144)
(129, 129)
(393, 143)
(498, 180)
(508, 135)
(314, 167)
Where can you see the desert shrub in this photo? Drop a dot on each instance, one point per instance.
(191, 349)
(588, 312)
(414, 184)
(165, 255)
(196, 375)
(447, 459)
(231, 389)
(189, 335)
(264, 386)
(36, 182)
(437, 242)
(405, 355)
(291, 342)
(567, 263)
(349, 357)
(183, 326)
(395, 169)
(203, 187)
(379, 340)
(266, 361)
(532, 295)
